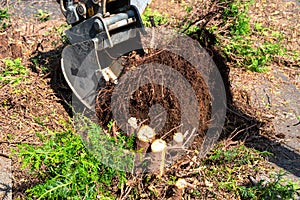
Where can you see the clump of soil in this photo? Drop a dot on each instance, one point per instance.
(149, 95)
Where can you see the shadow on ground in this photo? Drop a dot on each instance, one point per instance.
(51, 62)
(5, 191)
(240, 126)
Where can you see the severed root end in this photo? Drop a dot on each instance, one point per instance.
(178, 138)
(158, 155)
(145, 136)
(181, 184)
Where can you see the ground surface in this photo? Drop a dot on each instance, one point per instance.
(271, 97)
(35, 103)
(265, 106)
(274, 96)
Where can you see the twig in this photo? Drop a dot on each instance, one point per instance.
(244, 129)
(243, 116)
(127, 193)
(147, 57)
(210, 13)
(188, 139)
(170, 131)
(4, 155)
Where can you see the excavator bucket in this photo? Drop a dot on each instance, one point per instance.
(96, 44)
(90, 64)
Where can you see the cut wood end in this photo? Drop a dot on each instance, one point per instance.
(181, 184)
(178, 138)
(158, 146)
(146, 134)
(132, 121)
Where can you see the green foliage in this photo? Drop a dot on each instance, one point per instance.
(232, 10)
(70, 170)
(235, 156)
(258, 27)
(172, 180)
(237, 13)
(111, 151)
(159, 19)
(4, 18)
(239, 45)
(255, 58)
(276, 189)
(60, 30)
(229, 168)
(14, 72)
(190, 29)
(188, 9)
(42, 15)
(241, 26)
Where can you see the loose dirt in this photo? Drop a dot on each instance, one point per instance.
(152, 94)
(36, 104)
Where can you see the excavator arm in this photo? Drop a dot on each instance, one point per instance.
(100, 32)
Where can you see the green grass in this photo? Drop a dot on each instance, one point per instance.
(244, 53)
(278, 188)
(4, 18)
(14, 72)
(70, 169)
(159, 19)
(239, 45)
(60, 30)
(230, 169)
(42, 15)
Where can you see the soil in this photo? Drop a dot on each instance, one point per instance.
(43, 99)
(276, 91)
(152, 94)
(39, 101)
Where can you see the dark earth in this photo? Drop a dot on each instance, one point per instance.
(150, 95)
(258, 116)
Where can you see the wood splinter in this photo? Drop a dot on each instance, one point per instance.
(158, 155)
(180, 185)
